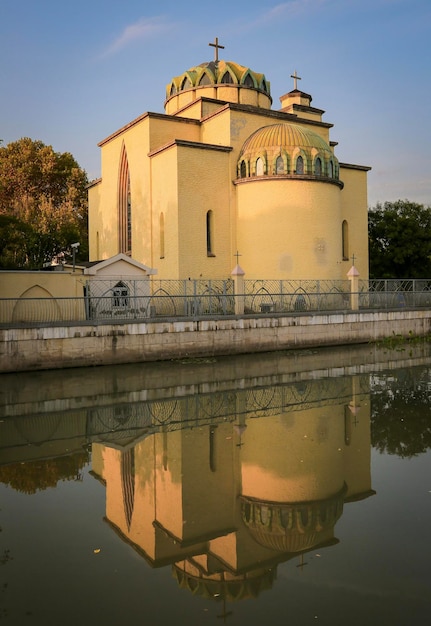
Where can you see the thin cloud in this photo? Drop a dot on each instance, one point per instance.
(282, 11)
(143, 29)
(294, 7)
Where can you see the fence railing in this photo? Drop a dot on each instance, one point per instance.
(191, 299)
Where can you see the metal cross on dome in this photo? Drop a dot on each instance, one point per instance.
(216, 45)
(295, 79)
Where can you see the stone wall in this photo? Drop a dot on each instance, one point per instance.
(26, 349)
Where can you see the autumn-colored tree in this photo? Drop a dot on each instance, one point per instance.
(43, 204)
(41, 474)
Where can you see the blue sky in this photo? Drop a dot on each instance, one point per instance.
(71, 73)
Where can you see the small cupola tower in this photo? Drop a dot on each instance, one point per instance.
(298, 102)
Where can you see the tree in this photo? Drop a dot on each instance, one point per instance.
(400, 421)
(43, 204)
(400, 240)
(41, 474)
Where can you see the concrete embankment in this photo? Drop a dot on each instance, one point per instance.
(87, 344)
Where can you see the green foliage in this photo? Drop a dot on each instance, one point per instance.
(400, 422)
(43, 205)
(400, 240)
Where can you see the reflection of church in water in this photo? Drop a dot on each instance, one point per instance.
(225, 486)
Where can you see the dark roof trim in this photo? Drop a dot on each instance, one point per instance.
(278, 115)
(350, 166)
(190, 144)
(306, 109)
(93, 183)
(148, 114)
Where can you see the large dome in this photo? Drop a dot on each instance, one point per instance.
(285, 135)
(225, 81)
(216, 73)
(287, 149)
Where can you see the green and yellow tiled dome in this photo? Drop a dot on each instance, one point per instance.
(279, 146)
(217, 73)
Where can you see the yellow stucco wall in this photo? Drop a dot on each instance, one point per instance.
(59, 284)
(354, 209)
(165, 200)
(200, 191)
(298, 220)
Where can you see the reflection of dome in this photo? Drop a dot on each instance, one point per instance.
(223, 585)
(292, 527)
(280, 145)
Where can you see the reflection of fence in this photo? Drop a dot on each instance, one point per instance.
(198, 298)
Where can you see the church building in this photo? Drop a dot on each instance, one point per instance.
(221, 177)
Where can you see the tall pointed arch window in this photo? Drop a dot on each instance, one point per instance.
(279, 165)
(186, 84)
(205, 79)
(299, 165)
(330, 169)
(345, 240)
(227, 79)
(318, 167)
(162, 235)
(124, 206)
(260, 167)
(248, 81)
(243, 169)
(210, 233)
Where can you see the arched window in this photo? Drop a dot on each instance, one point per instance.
(243, 169)
(173, 90)
(162, 236)
(279, 165)
(345, 240)
(205, 80)
(299, 165)
(330, 169)
(186, 84)
(124, 206)
(210, 233)
(318, 167)
(260, 167)
(227, 79)
(120, 296)
(248, 82)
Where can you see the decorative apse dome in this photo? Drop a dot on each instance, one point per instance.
(288, 149)
(220, 80)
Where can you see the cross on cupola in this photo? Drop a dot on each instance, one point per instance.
(216, 45)
(295, 79)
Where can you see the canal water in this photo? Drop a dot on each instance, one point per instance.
(282, 489)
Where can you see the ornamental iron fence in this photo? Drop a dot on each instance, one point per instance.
(143, 300)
